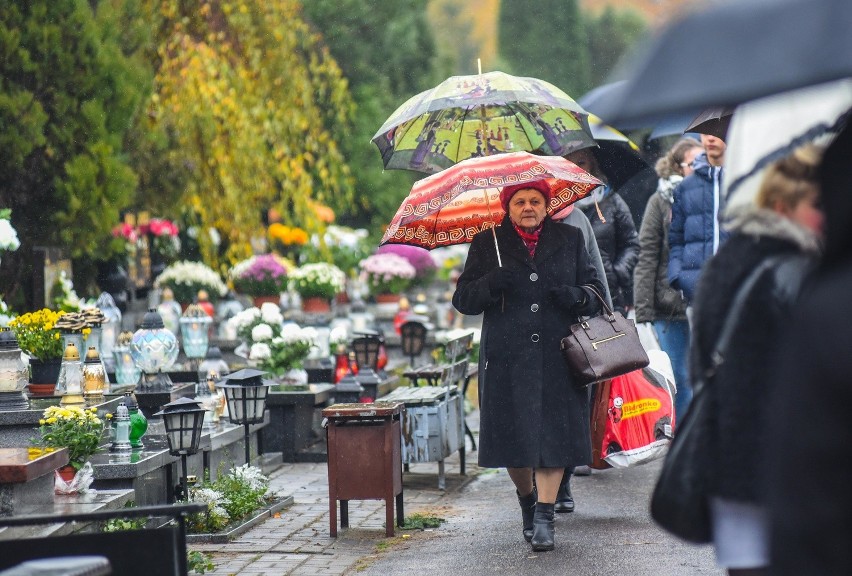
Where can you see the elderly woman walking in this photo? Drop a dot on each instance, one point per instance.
(533, 420)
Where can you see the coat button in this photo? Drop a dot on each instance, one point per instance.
(533, 276)
(534, 307)
(534, 338)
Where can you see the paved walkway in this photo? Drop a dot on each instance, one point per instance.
(297, 542)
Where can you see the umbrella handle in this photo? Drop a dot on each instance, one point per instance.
(496, 247)
(493, 232)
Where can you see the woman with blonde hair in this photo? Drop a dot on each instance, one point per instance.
(784, 227)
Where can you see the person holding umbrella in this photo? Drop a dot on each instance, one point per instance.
(530, 287)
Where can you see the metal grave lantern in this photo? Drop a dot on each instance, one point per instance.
(183, 420)
(413, 339)
(245, 391)
(154, 349)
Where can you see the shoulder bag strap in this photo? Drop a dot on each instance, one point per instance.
(735, 312)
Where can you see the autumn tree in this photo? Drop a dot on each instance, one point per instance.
(67, 100)
(387, 54)
(255, 108)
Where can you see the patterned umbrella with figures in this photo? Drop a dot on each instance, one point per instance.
(481, 115)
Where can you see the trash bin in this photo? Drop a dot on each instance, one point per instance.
(364, 459)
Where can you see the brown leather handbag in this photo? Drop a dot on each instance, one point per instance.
(603, 347)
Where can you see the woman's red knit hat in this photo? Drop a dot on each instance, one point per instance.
(509, 191)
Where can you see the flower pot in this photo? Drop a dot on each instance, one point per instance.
(261, 300)
(316, 305)
(45, 371)
(387, 298)
(67, 472)
(41, 389)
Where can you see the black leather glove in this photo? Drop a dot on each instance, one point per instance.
(502, 278)
(569, 297)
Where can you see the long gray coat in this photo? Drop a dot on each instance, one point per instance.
(530, 413)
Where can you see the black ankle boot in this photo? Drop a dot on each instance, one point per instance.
(527, 512)
(564, 499)
(543, 531)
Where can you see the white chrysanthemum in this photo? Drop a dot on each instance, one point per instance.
(339, 335)
(259, 351)
(8, 236)
(250, 476)
(271, 313)
(261, 332)
(188, 273)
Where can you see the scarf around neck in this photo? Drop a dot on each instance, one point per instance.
(530, 238)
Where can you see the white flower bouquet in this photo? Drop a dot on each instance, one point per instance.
(279, 354)
(187, 278)
(319, 280)
(256, 325)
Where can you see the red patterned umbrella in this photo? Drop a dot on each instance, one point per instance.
(450, 207)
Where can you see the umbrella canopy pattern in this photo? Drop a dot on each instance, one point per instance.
(481, 115)
(759, 48)
(768, 129)
(452, 206)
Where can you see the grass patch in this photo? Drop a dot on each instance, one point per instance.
(421, 522)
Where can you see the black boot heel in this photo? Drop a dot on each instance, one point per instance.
(527, 512)
(543, 529)
(564, 499)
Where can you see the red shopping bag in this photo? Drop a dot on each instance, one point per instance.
(632, 419)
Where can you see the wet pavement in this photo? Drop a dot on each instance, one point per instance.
(609, 533)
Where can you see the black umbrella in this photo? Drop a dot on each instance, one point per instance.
(733, 53)
(713, 121)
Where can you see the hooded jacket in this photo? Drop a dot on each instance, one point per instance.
(810, 523)
(617, 240)
(695, 233)
(742, 385)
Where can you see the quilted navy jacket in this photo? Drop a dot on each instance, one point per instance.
(691, 235)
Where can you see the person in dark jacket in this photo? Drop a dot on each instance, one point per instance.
(614, 231)
(785, 228)
(655, 300)
(696, 233)
(809, 511)
(533, 420)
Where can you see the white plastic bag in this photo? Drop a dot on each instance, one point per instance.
(78, 485)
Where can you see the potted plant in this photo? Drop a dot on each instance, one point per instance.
(186, 279)
(263, 277)
(282, 355)
(317, 284)
(38, 336)
(386, 276)
(77, 429)
(425, 268)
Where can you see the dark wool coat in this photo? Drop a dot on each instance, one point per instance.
(618, 243)
(530, 413)
(742, 387)
(809, 471)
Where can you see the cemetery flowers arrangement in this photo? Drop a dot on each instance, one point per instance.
(8, 236)
(257, 324)
(37, 334)
(187, 278)
(319, 280)
(386, 273)
(279, 354)
(164, 238)
(230, 498)
(263, 275)
(80, 430)
(425, 267)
